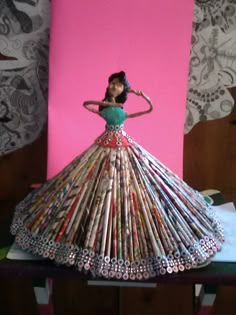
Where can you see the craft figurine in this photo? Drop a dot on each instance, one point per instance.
(115, 210)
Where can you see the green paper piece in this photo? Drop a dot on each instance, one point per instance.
(4, 251)
(208, 200)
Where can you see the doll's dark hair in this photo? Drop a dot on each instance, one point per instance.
(121, 76)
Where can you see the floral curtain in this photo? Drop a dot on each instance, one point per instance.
(212, 62)
(24, 31)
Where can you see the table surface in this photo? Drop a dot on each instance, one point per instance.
(215, 273)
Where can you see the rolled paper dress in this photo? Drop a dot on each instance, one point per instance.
(116, 211)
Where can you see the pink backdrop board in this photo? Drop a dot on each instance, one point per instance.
(150, 41)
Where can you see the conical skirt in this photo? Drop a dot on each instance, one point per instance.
(117, 212)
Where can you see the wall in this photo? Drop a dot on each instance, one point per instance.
(92, 39)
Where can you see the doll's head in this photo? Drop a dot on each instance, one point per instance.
(118, 87)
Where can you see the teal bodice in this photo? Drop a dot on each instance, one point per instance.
(114, 115)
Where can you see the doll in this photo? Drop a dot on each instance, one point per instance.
(116, 211)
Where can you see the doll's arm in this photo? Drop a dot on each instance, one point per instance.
(147, 99)
(87, 104)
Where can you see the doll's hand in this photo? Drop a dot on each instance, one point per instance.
(137, 92)
(140, 93)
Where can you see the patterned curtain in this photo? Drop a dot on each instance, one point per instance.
(24, 32)
(212, 62)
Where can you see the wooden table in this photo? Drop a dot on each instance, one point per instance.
(173, 294)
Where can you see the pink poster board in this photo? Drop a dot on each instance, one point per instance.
(150, 41)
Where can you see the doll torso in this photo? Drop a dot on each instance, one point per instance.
(114, 115)
(114, 136)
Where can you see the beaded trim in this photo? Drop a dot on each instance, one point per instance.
(116, 132)
(198, 255)
(115, 127)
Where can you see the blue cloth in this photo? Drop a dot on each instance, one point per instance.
(114, 115)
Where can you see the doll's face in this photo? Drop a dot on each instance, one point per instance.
(115, 87)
